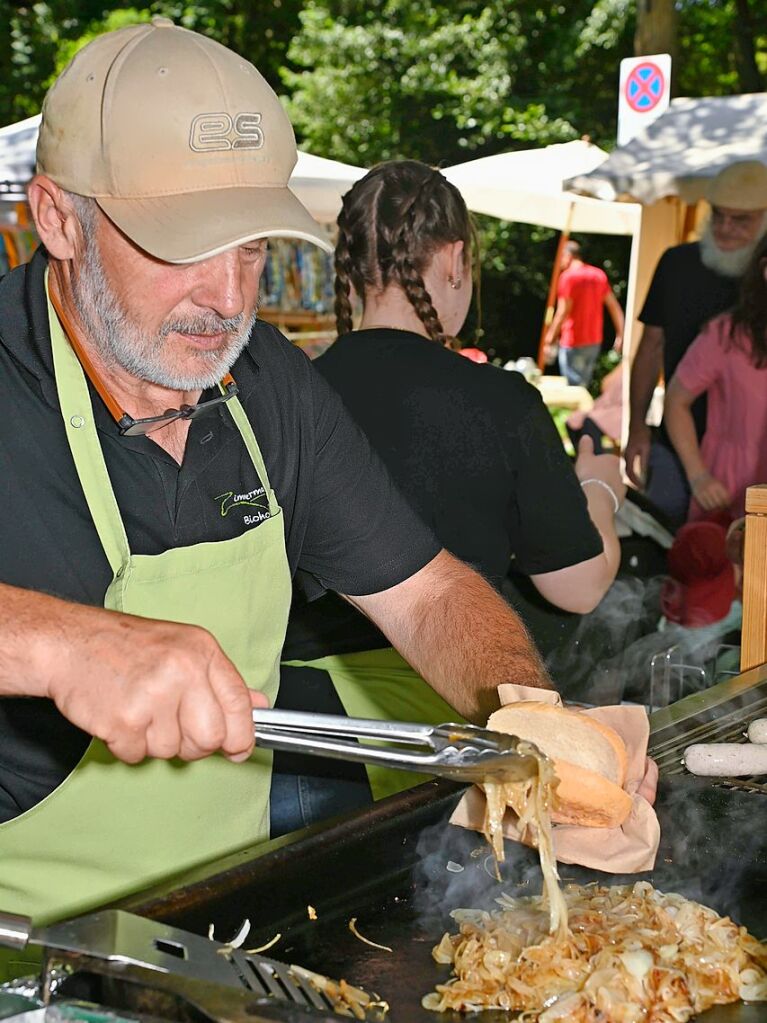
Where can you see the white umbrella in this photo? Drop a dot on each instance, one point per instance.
(677, 154)
(320, 184)
(527, 186)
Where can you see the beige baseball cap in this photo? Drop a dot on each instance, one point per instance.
(740, 186)
(182, 143)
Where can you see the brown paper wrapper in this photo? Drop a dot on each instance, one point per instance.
(630, 849)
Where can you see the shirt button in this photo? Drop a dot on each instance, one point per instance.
(77, 422)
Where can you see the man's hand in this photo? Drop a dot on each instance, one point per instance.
(550, 349)
(710, 493)
(146, 688)
(601, 467)
(618, 344)
(157, 689)
(648, 787)
(637, 454)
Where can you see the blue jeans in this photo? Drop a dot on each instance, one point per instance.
(577, 364)
(307, 789)
(667, 487)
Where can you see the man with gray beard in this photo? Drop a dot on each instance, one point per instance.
(692, 283)
(168, 464)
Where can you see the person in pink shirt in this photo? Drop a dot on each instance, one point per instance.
(583, 292)
(728, 363)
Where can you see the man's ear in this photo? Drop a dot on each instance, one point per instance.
(55, 218)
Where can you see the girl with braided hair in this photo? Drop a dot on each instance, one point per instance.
(473, 448)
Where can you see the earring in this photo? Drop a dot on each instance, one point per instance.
(454, 282)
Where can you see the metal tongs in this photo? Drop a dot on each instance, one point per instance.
(459, 752)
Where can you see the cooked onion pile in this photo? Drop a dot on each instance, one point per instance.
(632, 955)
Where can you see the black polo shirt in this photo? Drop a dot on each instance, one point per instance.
(475, 450)
(347, 528)
(684, 294)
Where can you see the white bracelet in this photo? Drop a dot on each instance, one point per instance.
(608, 488)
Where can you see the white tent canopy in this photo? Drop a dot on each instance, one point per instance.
(677, 154)
(527, 187)
(318, 183)
(17, 151)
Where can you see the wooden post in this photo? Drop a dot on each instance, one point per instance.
(753, 645)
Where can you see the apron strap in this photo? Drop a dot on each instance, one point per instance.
(80, 427)
(246, 431)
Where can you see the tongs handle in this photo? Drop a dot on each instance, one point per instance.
(268, 721)
(461, 752)
(332, 735)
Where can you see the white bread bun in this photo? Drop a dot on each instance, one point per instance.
(566, 735)
(589, 759)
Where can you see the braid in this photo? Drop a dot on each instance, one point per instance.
(409, 277)
(343, 268)
(392, 222)
(413, 285)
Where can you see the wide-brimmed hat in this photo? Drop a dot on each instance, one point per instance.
(700, 587)
(182, 143)
(740, 186)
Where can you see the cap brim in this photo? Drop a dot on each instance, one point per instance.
(196, 225)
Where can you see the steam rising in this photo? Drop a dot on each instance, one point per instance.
(610, 657)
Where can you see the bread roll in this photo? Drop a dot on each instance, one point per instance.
(566, 735)
(588, 757)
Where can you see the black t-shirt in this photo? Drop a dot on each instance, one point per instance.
(475, 450)
(684, 294)
(338, 501)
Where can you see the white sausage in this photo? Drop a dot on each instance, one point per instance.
(726, 759)
(757, 730)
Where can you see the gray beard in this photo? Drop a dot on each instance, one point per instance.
(728, 264)
(121, 343)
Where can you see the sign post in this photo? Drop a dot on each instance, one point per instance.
(643, 93)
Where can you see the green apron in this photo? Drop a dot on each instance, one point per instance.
(111, 828)
(380, 684)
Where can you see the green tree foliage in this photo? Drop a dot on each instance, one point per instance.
(37, 40)
(442, 81)
(722, 47)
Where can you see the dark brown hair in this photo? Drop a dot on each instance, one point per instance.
(751, 311)
(391, 223)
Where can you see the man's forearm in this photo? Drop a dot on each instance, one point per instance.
(645, 371)
(33, 626)
(145, 687)
(458, 633)
(616, 313)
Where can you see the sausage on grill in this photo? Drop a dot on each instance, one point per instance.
(757, 730)
(726, 759)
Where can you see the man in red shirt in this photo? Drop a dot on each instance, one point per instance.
(578, 322)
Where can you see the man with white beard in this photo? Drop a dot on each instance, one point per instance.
(692, 283)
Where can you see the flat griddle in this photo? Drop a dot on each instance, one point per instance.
(389, 868)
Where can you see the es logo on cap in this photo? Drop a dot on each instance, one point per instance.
(220, 132)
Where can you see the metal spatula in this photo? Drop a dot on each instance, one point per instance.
(459, 752)
(122, 944)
